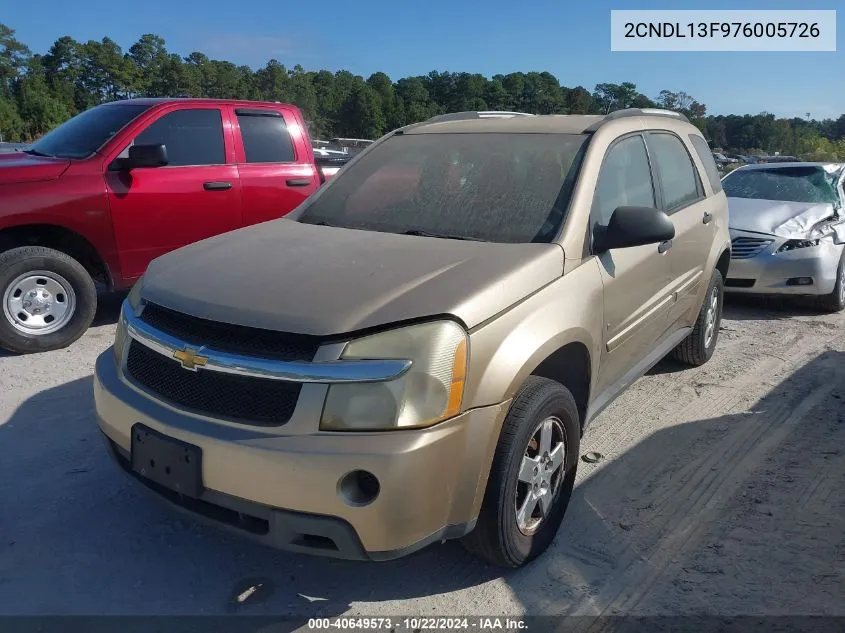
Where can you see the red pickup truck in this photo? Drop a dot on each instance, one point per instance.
(102, 195)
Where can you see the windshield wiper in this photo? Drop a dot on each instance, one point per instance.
(422, 233)
(35, 152)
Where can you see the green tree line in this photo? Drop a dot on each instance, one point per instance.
(38, 91)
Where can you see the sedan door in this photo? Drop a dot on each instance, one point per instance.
(636, 280)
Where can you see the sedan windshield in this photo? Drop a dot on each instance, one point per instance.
(490, 187)
(87, 132)
(810, 184)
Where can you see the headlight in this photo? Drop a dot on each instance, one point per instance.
(133, 301)
(791, 245)
(429, 392)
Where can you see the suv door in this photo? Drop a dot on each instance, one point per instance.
(636, 280)
(197, 195)
(275, 171)
(682, 198)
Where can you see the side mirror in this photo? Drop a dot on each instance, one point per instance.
(633, 226)
(142, 156)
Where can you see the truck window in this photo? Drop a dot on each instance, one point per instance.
(192, 137)
(266, 139)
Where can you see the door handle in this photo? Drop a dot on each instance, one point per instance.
(664, 246)
(216, 186)
(298, 182)
(708, 217)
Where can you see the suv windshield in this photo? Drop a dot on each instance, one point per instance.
(87, 132)
(487, 186)
(810, 184)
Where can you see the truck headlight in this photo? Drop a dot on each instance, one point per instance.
(429, 392)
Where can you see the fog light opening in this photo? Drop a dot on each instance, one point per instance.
(358, 488)
(799, 281)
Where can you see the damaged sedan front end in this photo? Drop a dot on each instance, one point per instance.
(788, 231)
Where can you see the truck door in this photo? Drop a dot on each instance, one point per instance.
(197, 195)
(275, 164)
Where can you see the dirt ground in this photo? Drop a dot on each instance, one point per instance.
(722, 491)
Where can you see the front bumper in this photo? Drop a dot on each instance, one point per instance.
(282, 490)
(774, 274)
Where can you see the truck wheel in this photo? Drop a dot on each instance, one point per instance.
(697, 348)
(48, 299)
(531, 478)
(835, 301)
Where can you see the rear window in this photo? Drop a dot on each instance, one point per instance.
(266, 139)
(493, 187)
(703, 151)
(810, 184)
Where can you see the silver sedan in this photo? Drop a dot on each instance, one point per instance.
(788, 230)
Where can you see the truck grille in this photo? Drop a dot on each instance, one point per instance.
(247, 400)
(235, 339)
(746, 247)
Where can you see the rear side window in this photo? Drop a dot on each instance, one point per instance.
(192, 137)
(266, 138)
(678, 175)
(706, 156)
(625, 179)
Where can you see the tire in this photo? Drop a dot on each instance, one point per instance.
(65, 297)
(835, 301)
(498, 537)
(697, 348)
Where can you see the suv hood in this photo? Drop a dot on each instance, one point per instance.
(308, 279)
(773, 217)
(16, 167)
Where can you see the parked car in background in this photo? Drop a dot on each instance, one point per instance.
(6, 148)
(788, 231)
(108, 191)
(413, 355)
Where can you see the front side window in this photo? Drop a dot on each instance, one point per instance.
(88, 131)
(192, 137)
(266, 138)
(625, 179)
(808, 184)
(677, 172)
(484, 186)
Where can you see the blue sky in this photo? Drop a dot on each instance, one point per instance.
(569, 39)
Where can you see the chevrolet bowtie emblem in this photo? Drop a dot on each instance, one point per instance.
(190, 359)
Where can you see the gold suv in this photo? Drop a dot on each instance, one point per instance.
(414, 353)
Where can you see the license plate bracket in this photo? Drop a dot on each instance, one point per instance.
(172, 463)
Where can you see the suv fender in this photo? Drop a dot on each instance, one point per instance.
(565, 315)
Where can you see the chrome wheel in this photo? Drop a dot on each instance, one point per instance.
(39, 302)
(710, 317)
(540, 475)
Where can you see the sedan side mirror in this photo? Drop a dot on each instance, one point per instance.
(633, 226)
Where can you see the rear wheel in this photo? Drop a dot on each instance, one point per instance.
(532, 476)
(835, 301)
(697, 348)
(48, 299)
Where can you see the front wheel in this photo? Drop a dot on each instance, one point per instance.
(48, 299)
(532, 476)
(697, 348)
(835, 301)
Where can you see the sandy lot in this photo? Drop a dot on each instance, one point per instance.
(722, 491)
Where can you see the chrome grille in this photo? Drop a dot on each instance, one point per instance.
(746, 247)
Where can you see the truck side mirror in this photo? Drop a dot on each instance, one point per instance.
(147, 156)
(142, 156)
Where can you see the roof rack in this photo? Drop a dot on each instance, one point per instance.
(630, 112)
(483, 114)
